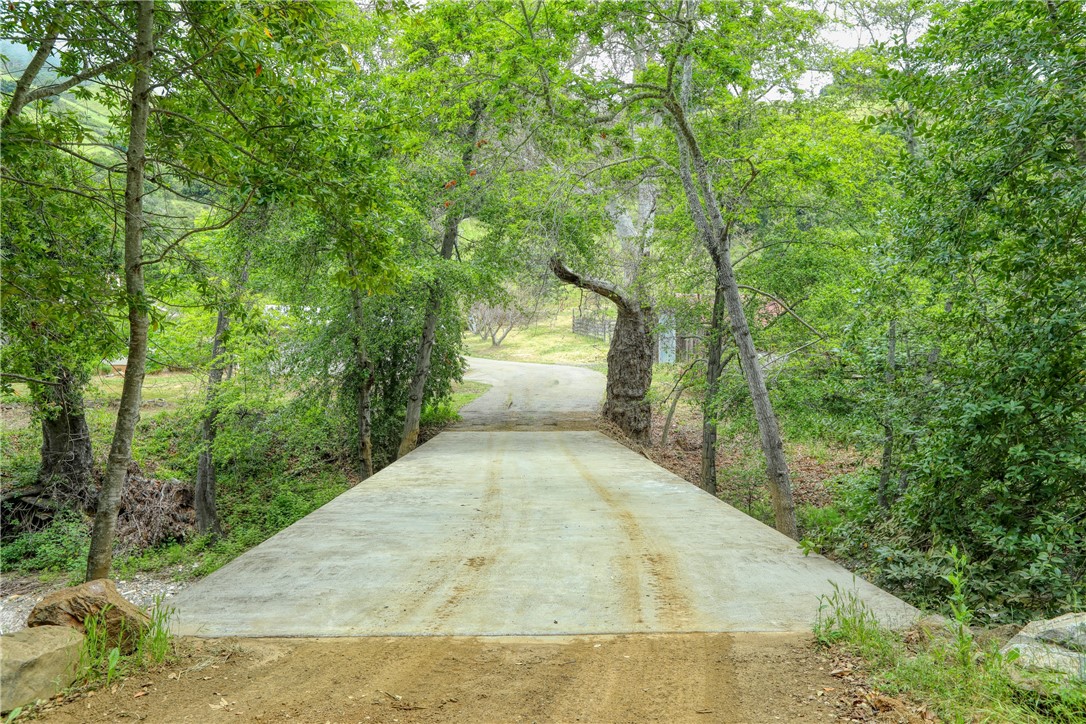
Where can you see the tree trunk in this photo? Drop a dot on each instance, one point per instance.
(67, 462)
(417, 389)
(100, 557)
(364, 386)
(629, 374)
(780, 482)
(666, 432)
(712, 385)
(715, 232)
(207, 514)
(629, 358)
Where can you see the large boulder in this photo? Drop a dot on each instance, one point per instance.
(1058, 644)
(37, 663)
(71, 607)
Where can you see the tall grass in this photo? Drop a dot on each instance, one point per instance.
(101, 660)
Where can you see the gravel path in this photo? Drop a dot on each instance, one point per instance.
(19, 594)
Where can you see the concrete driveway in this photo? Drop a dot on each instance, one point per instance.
(492, 532)
(532, 397)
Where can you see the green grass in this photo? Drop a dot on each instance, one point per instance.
(548, 342)
(466, 391)
(950, 672)
(101, 663)
(162, 391)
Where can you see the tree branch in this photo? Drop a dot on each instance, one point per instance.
(22, 86)
(172, 245)
(28, 380)
(786, 308)
(604, 289)
(57, 88)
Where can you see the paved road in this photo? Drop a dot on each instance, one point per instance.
(521, 533)
(533, 397)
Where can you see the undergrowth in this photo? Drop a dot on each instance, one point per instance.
(959, 678)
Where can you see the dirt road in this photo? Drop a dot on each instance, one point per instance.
(741, 679)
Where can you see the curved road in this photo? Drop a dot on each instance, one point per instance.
(502, 528)
(527, 396)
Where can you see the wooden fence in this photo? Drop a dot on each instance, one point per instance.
(598, 327)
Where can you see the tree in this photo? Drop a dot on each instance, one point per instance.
(183, 144)
(716, 64)
(629, 357)
(128, 410)
(461, 60)
(991, 219)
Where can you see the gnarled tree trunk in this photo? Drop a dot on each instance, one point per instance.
(67, 462)
(629, 358)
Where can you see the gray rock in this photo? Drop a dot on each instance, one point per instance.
(37, 663)
(1058, 644)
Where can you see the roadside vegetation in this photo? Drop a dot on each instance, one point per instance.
(283, 464)
(952, 670)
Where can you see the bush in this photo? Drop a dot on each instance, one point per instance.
(60, 547)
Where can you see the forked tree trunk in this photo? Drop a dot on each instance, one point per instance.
(67, 462)
(629, 358)
(100, 557)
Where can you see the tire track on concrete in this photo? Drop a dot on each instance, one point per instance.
(449, 568)
(484, 547)
(648, 561)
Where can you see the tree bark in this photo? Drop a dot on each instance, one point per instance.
(629, 358)
(712, 385)
(26, 80)
(67, 461)
(100, 557)
(207, 514)
(666, 431)
(780, 483)
(417, 389)
(364, 376)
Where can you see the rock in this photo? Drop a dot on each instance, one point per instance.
(1058, 644)
(997, 636)
(73, 606)
(37, 663)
